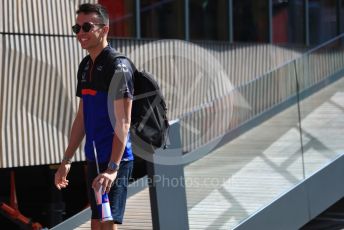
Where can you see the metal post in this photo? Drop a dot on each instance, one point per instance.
(307, 23)
(186, 13)
(138, 18)
(339, 17)
(270, 22)
(167, 187)
(230, 20)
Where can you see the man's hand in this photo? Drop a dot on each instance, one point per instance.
(104, 180)
(61, 175)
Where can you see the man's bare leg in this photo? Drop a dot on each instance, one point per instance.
(108, 225)
(95, 224)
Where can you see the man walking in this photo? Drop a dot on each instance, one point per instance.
(110, 140)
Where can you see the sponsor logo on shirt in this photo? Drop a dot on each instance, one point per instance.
(122, 67)
(99, 68)
(83, 77)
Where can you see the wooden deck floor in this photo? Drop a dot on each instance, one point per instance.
(238, 179)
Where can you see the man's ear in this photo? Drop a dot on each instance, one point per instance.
(106, 29)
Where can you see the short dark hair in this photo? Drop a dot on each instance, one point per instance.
(95, 8)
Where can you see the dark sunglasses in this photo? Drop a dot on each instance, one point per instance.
(86, 27)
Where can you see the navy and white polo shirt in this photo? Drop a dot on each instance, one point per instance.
(93, 87)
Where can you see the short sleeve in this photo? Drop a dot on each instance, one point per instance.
(78, 89)
(122, 81)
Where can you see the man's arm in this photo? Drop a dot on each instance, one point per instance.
(77, 133)
(122, 109)
(123, 118)
(76, 136)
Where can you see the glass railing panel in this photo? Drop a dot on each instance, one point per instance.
(246, 174)
(274, 152)
(322, 113)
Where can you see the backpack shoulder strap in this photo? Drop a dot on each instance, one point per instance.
(113, 55)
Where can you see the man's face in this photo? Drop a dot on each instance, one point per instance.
(92, 39)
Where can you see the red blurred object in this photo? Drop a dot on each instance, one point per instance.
(11, 211)
(117, 14)
(13, 193)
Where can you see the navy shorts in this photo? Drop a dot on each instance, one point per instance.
(118, 191)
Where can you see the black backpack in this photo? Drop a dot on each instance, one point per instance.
(149, 123)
